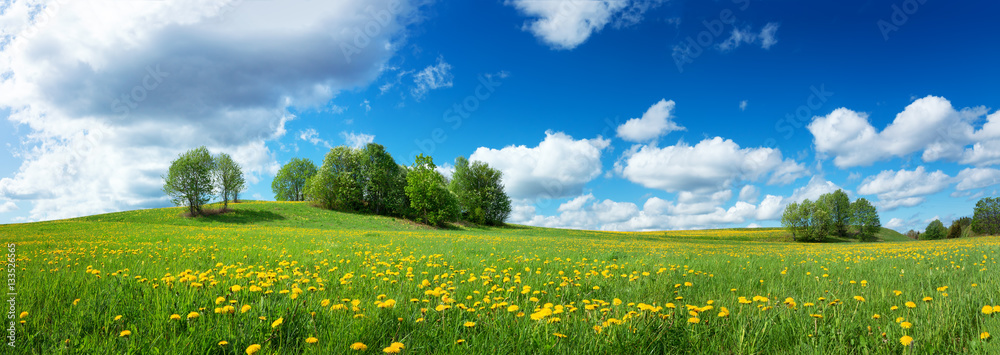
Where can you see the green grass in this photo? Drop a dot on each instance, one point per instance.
(148, 264)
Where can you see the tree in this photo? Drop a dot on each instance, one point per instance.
(795, 221)
(290, 183)
(338, 184)
(381, 182)
(935, 230)
(189, 180)
(430, 200)
(986, 217)
(912, 234)
(228, 179)
(955, 231)
(480, 192)
(839, 206)
(864, 217)
(820, 221)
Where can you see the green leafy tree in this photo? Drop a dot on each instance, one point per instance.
(864, 217)
(189, 180)
(796, 221)
(480, 192)
(935, 230)
(290, 183)
(986, 216)
(839, 206)
(430, 200)
(820, 220)
(338, 184)
(382, 181)
(228, 179)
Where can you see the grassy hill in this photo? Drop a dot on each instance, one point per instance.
(290, 278)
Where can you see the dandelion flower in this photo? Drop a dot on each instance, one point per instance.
(859, 298)
(694, 320)
(391, 350)
(876, 316)
(76, 301)
(23, 315)
(359, 347)
(928, 299)
(911, 305)
(399, 345)
(193, 315)
(469, 324)
(513, 308)
(906, 340)
(816, 315)
(125, 333)
(324, 303)
(906, 325)
(220, 300)
(223, 343)
(236, 288)
(175, 317)
(987, 310)
(311, 340)
(118, 317)
(245, 308)
(460, 341)
(984, 336)
(277, 322)
(253, 349)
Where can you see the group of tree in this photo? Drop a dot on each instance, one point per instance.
(196, 177)
(369, 180)
(832, 215)
(985, 220)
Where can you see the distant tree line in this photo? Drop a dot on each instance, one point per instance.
(832, 215)
(369, 180)
(196, 177)
(985, 220)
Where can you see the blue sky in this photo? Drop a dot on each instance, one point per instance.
(601, 114)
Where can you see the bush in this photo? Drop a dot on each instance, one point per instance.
(912, 234)
(935, 230)
(430, 199)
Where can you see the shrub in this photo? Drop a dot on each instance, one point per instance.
(935, 230)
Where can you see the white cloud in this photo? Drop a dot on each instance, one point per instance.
(432, 77)
(565, 24)
(357, 140)
(558, 167)
(739, 36)
(749, 193)
(894, 223)
(711, 165)
(310, 135)
(655, 122)
(108, 94)
(447, 170)
(904, 188)
(743, 105)
(8, 206)
(977, 178)
(929, 125)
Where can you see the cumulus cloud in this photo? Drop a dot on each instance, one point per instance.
(565, 24)
(109, 94)
(558, 167)
(904, 188)
(895, 223)
(432, 77)
(749, 193)
(584, 212)
(8, 206)
(977, 178)
(710, 166)
(929, 125)
(655, 122)
(310, 135)
(357, 140)
(766, 37)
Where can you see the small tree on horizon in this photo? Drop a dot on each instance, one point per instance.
(290, 182)
(430, 199)
(986, 216)
(935, 230)
(864, 217)
(480, 192)
(189, 180)
(229, 179)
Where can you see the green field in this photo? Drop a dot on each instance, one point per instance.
(340, 279)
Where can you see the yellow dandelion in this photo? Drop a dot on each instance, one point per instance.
(694, 320)
(469, 324)
(988, 310)
(245, 308)
(175, 317)
(816, 315)
(223, 343)
(906, 325)
(559, 335)
(513, 308)
(277, 322)
(220, 300)
(928, 299)
(906, 340)
(125, 333)
(118, 317)
(984, 336)
(910, 304)
(859, 298)
(399, 345)
(311, 340)
(876, 316)
(253, 349)
(23, 315)
(76, 301)
(359, 347)
(460, 341)
(324, 303)
(236, 288)
(193, 315)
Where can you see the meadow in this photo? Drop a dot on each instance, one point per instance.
(284, 277)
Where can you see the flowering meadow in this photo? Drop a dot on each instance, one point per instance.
(289, 278)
